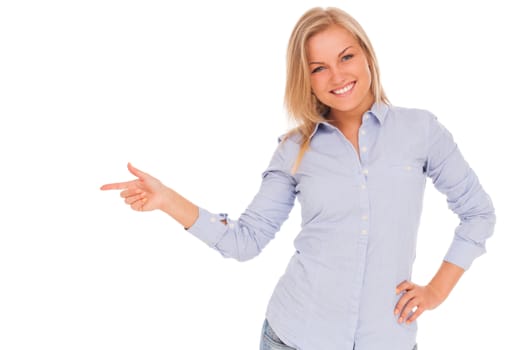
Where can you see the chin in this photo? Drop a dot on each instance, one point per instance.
(343, 107)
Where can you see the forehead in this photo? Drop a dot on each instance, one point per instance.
(330, 42)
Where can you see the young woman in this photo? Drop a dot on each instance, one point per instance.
(358, 166)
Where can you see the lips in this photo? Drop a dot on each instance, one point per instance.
(344, 90)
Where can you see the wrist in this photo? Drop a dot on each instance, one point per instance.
(168, 201)
(439, 292)
(445, 279)
(178, 207)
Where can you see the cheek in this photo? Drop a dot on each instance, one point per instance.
(366, 79)
(366, 70)
(368, 73)
(317, 84)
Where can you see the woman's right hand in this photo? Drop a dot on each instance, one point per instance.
(142, 194)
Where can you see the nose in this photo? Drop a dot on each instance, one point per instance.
(337, 76)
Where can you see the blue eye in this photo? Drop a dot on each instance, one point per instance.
(318, 69)
(347, 57)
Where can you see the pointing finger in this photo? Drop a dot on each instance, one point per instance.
(117, 185)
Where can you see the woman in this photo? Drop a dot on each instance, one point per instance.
(358, 166)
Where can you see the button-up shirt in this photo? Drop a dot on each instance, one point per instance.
(360, 218)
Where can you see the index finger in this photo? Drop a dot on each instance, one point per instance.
(405, 285)
(117, 185)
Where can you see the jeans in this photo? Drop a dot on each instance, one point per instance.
(270, 340)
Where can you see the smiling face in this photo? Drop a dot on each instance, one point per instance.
(339, 73)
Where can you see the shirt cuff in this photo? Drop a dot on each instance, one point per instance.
(208, 227)
(462, 253)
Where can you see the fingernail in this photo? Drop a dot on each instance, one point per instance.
(396, 311)
(400, 320)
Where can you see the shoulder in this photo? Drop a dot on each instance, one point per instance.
(287, 149)
(290, 142)
(410, 114)
(293, 136)
(412, 118)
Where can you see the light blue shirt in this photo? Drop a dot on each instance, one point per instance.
(360, 220)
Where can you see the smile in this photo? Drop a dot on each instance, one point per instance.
(344, 89)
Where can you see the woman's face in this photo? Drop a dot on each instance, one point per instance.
(339, 72)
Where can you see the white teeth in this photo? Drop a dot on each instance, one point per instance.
(343, 90)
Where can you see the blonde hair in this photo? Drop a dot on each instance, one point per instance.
(302, 105)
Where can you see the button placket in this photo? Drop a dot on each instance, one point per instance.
(362, 139)
(365, 202)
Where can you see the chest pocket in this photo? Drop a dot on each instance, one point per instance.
(405, 175)
(408, 169)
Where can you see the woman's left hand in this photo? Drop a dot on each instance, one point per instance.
(420, 298)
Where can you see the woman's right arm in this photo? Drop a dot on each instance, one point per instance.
(240, 239)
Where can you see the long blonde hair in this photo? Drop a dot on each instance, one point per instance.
(302, 105)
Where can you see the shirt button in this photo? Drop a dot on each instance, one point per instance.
(365, 171)
(364, 232)
(408, 167)
(364, 217)
(363, 149)
(367, 116)
(363, 132)
(213, 219)
(231, 225)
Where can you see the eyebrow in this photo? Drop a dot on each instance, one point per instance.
(340, 54)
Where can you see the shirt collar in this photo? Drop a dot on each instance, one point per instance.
(378, 110)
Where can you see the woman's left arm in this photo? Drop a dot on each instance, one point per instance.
(452, 176)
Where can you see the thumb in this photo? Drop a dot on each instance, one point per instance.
(140, 174)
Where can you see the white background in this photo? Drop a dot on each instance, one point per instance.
(192, 93)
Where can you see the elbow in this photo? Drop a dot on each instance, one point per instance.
(243, 249)
(248, 242)
(243, 241)
(240, 256)
(489, 213)
(480, 210)
(477, 228)
(246, 257)
(248, 251)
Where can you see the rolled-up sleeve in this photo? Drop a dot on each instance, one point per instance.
(245, 238)
(452, 176)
